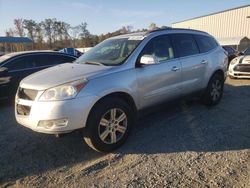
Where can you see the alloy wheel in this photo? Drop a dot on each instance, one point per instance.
(112, 126)
(216, 90)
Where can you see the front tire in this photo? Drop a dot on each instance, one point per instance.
(108, 125)
(214, 90)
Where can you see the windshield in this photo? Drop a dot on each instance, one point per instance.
(111, 52)
(247, 51)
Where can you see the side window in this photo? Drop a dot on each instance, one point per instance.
(41, 60)
(21, 63)
(67, 59)
(185, 44)
(205, 43)
(59, 59)
(160, 47)
(51, 59)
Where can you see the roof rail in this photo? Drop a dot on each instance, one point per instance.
(170, 28)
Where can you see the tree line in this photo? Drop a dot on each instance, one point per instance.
(55, 34)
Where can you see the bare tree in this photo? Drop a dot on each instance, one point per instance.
(126, 29)
(84, 34)
(152, 26)
(47, 25)
(10, 33)
(19, 27)
(74, 33)
(30, 25)
(39, 35)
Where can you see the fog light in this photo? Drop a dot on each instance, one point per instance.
(47, 124)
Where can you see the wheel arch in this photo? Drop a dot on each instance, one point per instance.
(219, 72)
(119, 94)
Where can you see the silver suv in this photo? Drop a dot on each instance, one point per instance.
(104, 89)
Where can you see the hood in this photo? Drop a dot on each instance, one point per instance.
(60, 74)
(246, 59)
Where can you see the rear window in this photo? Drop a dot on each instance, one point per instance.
(205, 43)
(185, 44)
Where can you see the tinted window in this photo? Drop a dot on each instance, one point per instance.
(59, 59)
(205, 43)
(52, 59)
(21, 63)
(160, 47)
(185, 44)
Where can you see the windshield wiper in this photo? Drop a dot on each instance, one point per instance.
(93, 63)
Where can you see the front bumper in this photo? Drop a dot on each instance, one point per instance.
(239, 71)
(75, 111)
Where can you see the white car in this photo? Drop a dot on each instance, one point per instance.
(239, 67)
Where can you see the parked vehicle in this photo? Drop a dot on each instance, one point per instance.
(102, 92)
(232, 53)
(240, 66)
(71, 51)
(15, 66)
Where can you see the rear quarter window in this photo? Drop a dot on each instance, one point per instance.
(205, 43)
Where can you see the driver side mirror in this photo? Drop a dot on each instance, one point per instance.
(3, 71)
(148, 60)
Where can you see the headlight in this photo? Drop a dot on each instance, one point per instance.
(234, 61)
(63, 92)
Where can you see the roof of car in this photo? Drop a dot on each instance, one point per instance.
(146, 33)
(36, 51)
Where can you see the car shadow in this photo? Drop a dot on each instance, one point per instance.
(177, 127)
(190, 126)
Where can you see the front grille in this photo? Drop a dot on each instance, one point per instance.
(23, 110)
(27, 94)
(242, 68)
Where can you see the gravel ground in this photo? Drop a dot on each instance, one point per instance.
(183, 144)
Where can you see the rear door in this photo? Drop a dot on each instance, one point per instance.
(193, 63)
(161, 81)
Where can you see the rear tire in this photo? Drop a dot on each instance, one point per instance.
(214, 90)
(108, 124)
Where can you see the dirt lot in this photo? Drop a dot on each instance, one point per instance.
(187, 144)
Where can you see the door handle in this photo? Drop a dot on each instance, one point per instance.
(204, 62)
(175, 68)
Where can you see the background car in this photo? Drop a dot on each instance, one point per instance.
(239, 67)
(232, 53)
(15, 66)
(71, 51)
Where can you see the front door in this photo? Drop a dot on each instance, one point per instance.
(161, 81)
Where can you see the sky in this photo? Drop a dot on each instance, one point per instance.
(104, 16)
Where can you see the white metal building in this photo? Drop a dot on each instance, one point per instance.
(230, 27)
